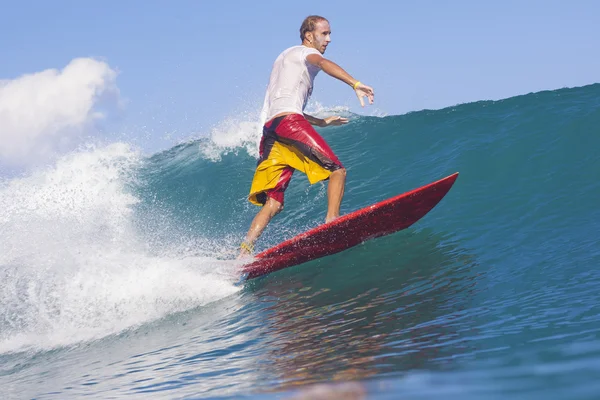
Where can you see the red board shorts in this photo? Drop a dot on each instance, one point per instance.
(289, 143)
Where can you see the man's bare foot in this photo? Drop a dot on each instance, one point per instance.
(246, 250)
(329, 219)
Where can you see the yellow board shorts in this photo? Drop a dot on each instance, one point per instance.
(289, 143)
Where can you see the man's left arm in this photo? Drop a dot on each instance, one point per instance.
(329, 121)
(314, 120)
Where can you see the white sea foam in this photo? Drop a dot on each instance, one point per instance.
(72, 265)
(232, 135)
(243, 132)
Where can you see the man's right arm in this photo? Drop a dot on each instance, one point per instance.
(331, 68)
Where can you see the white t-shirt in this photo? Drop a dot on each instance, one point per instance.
(290, 84)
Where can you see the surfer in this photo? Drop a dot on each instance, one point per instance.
(289, 142)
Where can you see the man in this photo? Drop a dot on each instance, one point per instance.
(289, 141)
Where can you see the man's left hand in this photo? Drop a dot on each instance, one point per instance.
(334, 121)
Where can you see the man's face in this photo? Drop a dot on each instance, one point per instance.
(321, 36)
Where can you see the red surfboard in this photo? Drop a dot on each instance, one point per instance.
(383, 218)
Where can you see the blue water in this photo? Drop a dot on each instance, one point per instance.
(117, 279)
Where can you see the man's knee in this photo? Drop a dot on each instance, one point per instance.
(274, 206)
(340, 172)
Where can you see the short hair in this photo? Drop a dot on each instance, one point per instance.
(309, 24)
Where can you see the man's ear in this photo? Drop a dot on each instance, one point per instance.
(309, 36)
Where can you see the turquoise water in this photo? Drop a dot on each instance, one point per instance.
(118, 280)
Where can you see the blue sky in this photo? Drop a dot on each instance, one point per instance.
(184, 66)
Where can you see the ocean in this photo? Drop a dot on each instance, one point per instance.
(118, 278)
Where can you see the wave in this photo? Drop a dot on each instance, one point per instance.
(74, 264)
(107, 238)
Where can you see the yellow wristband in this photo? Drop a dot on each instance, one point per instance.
(248, 247)
(355, 85)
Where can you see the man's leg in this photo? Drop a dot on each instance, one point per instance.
(271, 208)
(335, 193)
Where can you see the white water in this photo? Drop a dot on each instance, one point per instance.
(244, 131)
(72, 265)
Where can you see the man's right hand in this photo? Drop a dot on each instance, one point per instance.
(364, 91)
(331, 68)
